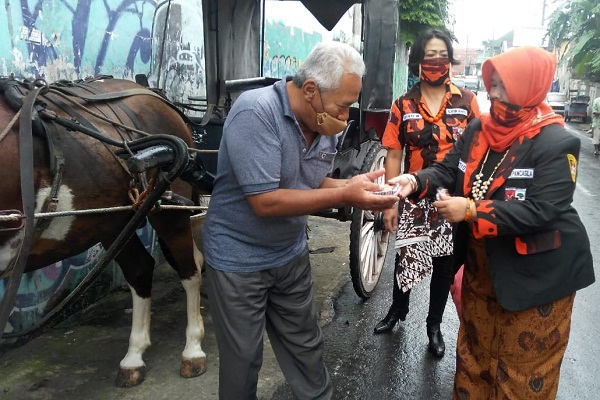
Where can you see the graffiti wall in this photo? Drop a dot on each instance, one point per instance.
(291, 32)
(285, 48)
(74, 39)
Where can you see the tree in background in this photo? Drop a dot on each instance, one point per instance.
(574, 30)
(418, 14)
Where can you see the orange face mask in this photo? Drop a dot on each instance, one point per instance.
(435, 71)
(507, 114)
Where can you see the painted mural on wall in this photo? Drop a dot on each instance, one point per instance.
(291, 32)
(59, 39)
(177, 65)
(285, 48)
(74, 39)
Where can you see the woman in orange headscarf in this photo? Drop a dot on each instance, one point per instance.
(512, 177)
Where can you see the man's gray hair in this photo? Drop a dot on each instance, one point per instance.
(326, 64)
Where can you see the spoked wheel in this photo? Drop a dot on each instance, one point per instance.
(368, 238)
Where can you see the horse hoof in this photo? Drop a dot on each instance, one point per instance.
(192, 367)
(128, 377)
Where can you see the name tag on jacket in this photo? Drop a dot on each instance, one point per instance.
(525, 173)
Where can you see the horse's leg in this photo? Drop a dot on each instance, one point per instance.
(137, 266)
(175, 238)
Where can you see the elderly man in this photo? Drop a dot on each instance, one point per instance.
(278, 146)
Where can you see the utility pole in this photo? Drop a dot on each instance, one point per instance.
(466, 57)
(543, 12)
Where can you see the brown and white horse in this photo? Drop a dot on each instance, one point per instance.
(93, 178)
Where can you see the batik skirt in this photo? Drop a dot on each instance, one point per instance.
(502, 354)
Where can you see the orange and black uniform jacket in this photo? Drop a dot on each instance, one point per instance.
(536, 245)
(427, 142)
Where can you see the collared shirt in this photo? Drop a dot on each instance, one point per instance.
(427, 142)
(262, 150)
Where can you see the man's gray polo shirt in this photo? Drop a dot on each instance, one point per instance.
(262, 149)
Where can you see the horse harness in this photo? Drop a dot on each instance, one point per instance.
(33, 116)
(15, 93)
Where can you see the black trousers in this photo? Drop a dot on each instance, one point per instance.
(439, 289)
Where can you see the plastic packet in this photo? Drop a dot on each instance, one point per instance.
(441, 191)
(389, 190)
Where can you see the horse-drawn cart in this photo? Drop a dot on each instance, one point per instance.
(94, 177)
(359, 148)
(202, 54)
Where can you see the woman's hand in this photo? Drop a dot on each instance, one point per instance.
(454, 209)
(407, 182)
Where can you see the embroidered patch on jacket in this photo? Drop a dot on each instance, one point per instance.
(411, 116)
(456, 132)
(512, 193)
(462, 165)
(523, 173)
(457, 111)
(572, 166)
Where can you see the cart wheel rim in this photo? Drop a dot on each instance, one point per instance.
(370, 240)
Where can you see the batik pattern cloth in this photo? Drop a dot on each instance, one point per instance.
(422, 234)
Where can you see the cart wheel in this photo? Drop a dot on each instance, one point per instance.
(368, 238)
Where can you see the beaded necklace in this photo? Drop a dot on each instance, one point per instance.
(437, 117)
(480, 188)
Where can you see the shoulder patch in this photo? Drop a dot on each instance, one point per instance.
(572, 166)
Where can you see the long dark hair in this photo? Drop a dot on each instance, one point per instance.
(417, 51)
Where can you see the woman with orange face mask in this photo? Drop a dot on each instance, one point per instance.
(511, 177)
(424, 123)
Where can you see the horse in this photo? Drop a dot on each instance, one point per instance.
(76, 171)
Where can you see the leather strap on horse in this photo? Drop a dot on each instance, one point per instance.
(28, 196)
(180, 160)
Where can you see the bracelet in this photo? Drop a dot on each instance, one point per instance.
(413, 182)
(469, 210)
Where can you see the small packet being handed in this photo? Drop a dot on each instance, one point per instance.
(441, 191)
(389, 190)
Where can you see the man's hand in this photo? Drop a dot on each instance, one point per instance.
(358, 192)
(368, 176)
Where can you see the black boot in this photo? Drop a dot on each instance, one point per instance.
(390, 320)
(437, 347)
(397, 311)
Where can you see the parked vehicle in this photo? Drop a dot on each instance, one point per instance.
(472, 83)
(577, 107)
(459, 82)
(557, 101)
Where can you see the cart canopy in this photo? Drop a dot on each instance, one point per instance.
(233, 29)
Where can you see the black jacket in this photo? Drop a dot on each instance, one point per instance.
(538, 250)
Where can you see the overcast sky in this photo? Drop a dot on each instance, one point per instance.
(478, 20)
(475, 20)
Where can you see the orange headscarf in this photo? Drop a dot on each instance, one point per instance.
(526, 73)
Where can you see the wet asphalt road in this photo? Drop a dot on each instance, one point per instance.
(398, 366)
